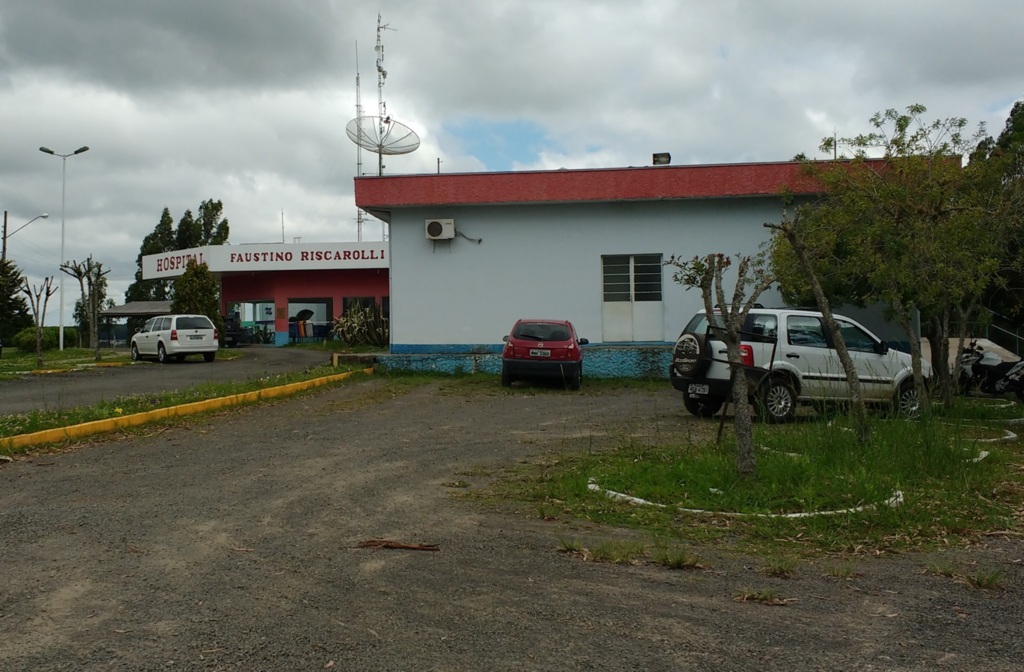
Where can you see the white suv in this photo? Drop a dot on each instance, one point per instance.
(789, 358)
(176, 336)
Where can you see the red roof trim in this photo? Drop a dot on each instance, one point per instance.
(573, 186)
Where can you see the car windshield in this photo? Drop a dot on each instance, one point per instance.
(541, 331)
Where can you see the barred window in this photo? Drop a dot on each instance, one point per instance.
(632, 277)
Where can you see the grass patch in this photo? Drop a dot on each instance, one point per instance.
(979, 409)
(780, 567)
(986, 580)
(633, 552)
(980, 579)
(619, 552)
(841, 570)
(946, 568)
(571, 545)
(807, 467)
(25, 423)
(332, 345)
(547, 510)
(677, 558)
(15, 362)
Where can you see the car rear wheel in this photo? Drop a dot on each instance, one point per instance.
(135, 353)
(161, 354)
(907, 403)
(776, 402)
(209, 356)
(576, 379)
(506, 377)
(703, 408)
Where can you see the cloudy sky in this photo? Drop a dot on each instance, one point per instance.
(246, 101)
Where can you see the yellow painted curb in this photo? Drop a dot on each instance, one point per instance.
(76, 367)
(59, 434)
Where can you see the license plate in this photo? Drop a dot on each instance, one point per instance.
(697, 389)
(540, 353)
(195, 337)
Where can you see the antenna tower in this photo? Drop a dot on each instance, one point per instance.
(381, 134)
(359, 149)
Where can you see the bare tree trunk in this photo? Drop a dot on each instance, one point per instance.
(939, 342)
(746, 462)
(38, 298)
(90, 276)
(904, 315)
(963, 316)
(705, 273)
(857, 406)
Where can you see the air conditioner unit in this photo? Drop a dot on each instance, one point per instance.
(440, 229)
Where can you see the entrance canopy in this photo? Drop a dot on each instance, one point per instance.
(138, 309)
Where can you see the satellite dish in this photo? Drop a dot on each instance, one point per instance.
(383, 136)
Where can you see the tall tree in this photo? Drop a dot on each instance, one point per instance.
(213, 226)
(196, 291)
(1003, 160)
(189, 233)
(210, 228)
(161, 239)
(912, 229)
(14, 313)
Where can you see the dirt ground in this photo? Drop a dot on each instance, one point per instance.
(231, 542)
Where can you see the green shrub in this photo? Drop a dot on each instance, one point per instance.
(362, 325)
(25, 340)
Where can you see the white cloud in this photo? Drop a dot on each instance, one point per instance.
(247, 100)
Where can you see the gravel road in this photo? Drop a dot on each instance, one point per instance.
(231, 542)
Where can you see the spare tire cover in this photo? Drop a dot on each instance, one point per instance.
(689, 357)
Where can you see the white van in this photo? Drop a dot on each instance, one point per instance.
(167, 337)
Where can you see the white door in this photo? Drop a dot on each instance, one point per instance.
(807, 349)
(632, 308)
(146, 341)
(876, 372)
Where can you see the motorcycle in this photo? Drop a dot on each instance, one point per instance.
(987, 372)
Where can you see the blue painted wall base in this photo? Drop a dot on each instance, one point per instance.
(647, 361)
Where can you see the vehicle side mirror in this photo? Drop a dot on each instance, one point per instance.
(584, 341)
(505, 338)
(882, 348)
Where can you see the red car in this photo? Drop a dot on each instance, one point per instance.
(543, 350)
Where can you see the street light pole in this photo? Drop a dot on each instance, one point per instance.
(63, 190)
(8, 235)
